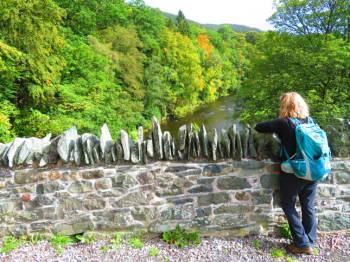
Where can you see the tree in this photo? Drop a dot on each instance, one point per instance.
(306, 17)
(182, 24)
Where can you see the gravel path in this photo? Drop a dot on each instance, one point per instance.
(333, 247)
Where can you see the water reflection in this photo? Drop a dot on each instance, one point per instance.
(219, 114)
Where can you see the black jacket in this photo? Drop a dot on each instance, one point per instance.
(285, 130)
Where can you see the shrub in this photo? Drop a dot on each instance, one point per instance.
(135, 242)
(181, 238)
(117, 240)
(58, 242)
(86, 239)
(153, 251)
(285, 231)
(256, 244)
(277, 252)
(11, 243)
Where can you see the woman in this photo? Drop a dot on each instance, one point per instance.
(304, 231)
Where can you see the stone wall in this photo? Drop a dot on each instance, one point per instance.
(234, 143)
(231, 196)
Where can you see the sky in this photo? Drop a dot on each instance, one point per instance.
(244, 12)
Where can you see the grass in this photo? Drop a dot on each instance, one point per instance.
(181, 238)
(11, 243)
(117, 240)
(59, 242)
(86, 239)
(277, 252)
(256, 244)
(104, 248)
(153, 251)
(136, 242)
(285, 231)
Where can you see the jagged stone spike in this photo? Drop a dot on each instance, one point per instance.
(203, 137)
(232, 136)
(125, 141)
(157, 139)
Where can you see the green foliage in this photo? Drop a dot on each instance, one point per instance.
(277, 252)
(290, 259)
(153, 251)
(117, 240)
(104, 248)
(135, 242)
(11, 243)
(86, 238)
(315, 251)
(180, 238)
(256, 244)
(285, 231)
(59, 242)
(36, 238)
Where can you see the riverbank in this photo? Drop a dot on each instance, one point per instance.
(330, 247)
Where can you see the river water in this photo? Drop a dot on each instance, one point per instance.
(218, 114)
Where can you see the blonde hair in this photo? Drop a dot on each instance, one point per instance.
(293, 105)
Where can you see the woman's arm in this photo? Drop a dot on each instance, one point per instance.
(269, 126)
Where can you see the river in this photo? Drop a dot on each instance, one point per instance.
(218, 114)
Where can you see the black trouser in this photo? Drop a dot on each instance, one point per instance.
(303, 232)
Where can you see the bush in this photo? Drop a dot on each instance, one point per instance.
(285, 231)
(180, 238)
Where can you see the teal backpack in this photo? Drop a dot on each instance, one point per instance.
(312, 160)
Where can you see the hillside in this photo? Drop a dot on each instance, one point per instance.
(235, 27)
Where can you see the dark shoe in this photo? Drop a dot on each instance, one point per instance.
(299, 250)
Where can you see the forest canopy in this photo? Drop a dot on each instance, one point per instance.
(91, 62)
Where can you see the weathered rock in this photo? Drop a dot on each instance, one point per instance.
(48, 187)
(232, 131)
(125, 141)
(12, 153)
(103, 184)
(157, 139)
(244, 141)
(167, 145)
(234, 209)
(149, 147)
(270, 181)
(225, 144)
(239, 151)
(32, 149)
(119, 150)
(97, 153)
(106, 144)
(195, 148)
(173, 149)
(124, 181)
(251, 146)
(342, 177)
(182, 137)
(217, 169)
(93, 202)
(65, 144)
(333, 221)
(338, 132)
(135, 153)
(80, 187)
(89, 141)
(131, 199)
(78, 153)
(144, 156)
(204, 142)
(213, 198)
(139, 143)
(213, 143)
(232, 183)
(92, 174)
